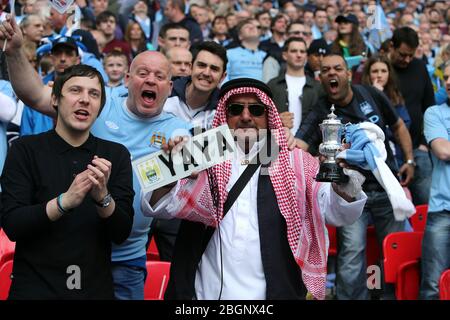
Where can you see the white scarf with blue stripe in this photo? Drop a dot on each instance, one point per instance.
(368, 152)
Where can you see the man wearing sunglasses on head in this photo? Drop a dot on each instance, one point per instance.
(252, 229)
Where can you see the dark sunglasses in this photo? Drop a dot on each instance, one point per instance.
(256, 110)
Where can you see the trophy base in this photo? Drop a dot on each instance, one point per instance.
(331, 172)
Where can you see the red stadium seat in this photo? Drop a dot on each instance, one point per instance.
(332, 250)
(419, 219)
(400, 248)
(5, 278)
(408, 281)
(157, 280)
(444, 285)
(152, 251)
(7, 248)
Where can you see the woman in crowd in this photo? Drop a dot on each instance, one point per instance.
(378, 72)
(135, 38)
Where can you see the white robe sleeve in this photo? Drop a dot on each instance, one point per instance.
(164, 209)
(336, 210)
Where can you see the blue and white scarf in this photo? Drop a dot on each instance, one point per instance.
(368, 152)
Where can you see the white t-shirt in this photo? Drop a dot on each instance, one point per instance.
(198, 117)
(295, 90)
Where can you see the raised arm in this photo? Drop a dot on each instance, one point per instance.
(25, 81)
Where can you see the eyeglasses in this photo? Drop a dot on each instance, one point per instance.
(256, 110)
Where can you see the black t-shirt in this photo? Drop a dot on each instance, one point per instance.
(416, 88)
(358, 110)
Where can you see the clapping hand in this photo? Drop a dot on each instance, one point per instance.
(98, 174)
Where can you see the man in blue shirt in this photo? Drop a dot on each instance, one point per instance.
(436, 239)
(246, 61)
(137, 121)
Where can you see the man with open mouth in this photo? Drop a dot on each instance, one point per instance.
(67, 195)
(252, 230)
(134, 121)
(355, 104)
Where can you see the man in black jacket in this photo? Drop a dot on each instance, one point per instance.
(294, 93)
(417, 90)
(66, 196)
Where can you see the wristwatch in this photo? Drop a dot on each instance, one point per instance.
(411, 162)
(106, 201)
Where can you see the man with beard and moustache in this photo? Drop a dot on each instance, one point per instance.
(64, 54)
(137, 121)
(355, 104)
(252, 244)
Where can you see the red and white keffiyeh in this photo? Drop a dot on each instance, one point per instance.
(295, 189)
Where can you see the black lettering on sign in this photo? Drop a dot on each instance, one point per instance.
(203, 148)
(168, 163)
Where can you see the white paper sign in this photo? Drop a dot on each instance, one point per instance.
(61, 5)
(199, 153)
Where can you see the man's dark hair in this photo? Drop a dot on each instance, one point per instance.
(260, 13)
(217, 18)
(405, 35)
(79, 70)
(319, 9)
(331, 54)
(274, 20)
(179, 4)
(169, 26)
(293, 39)
(104, 16)
(213, 48)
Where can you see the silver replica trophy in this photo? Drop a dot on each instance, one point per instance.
(332, 129)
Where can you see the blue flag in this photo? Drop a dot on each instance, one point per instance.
(379, 27)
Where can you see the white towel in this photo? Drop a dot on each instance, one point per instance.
(367, 151)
